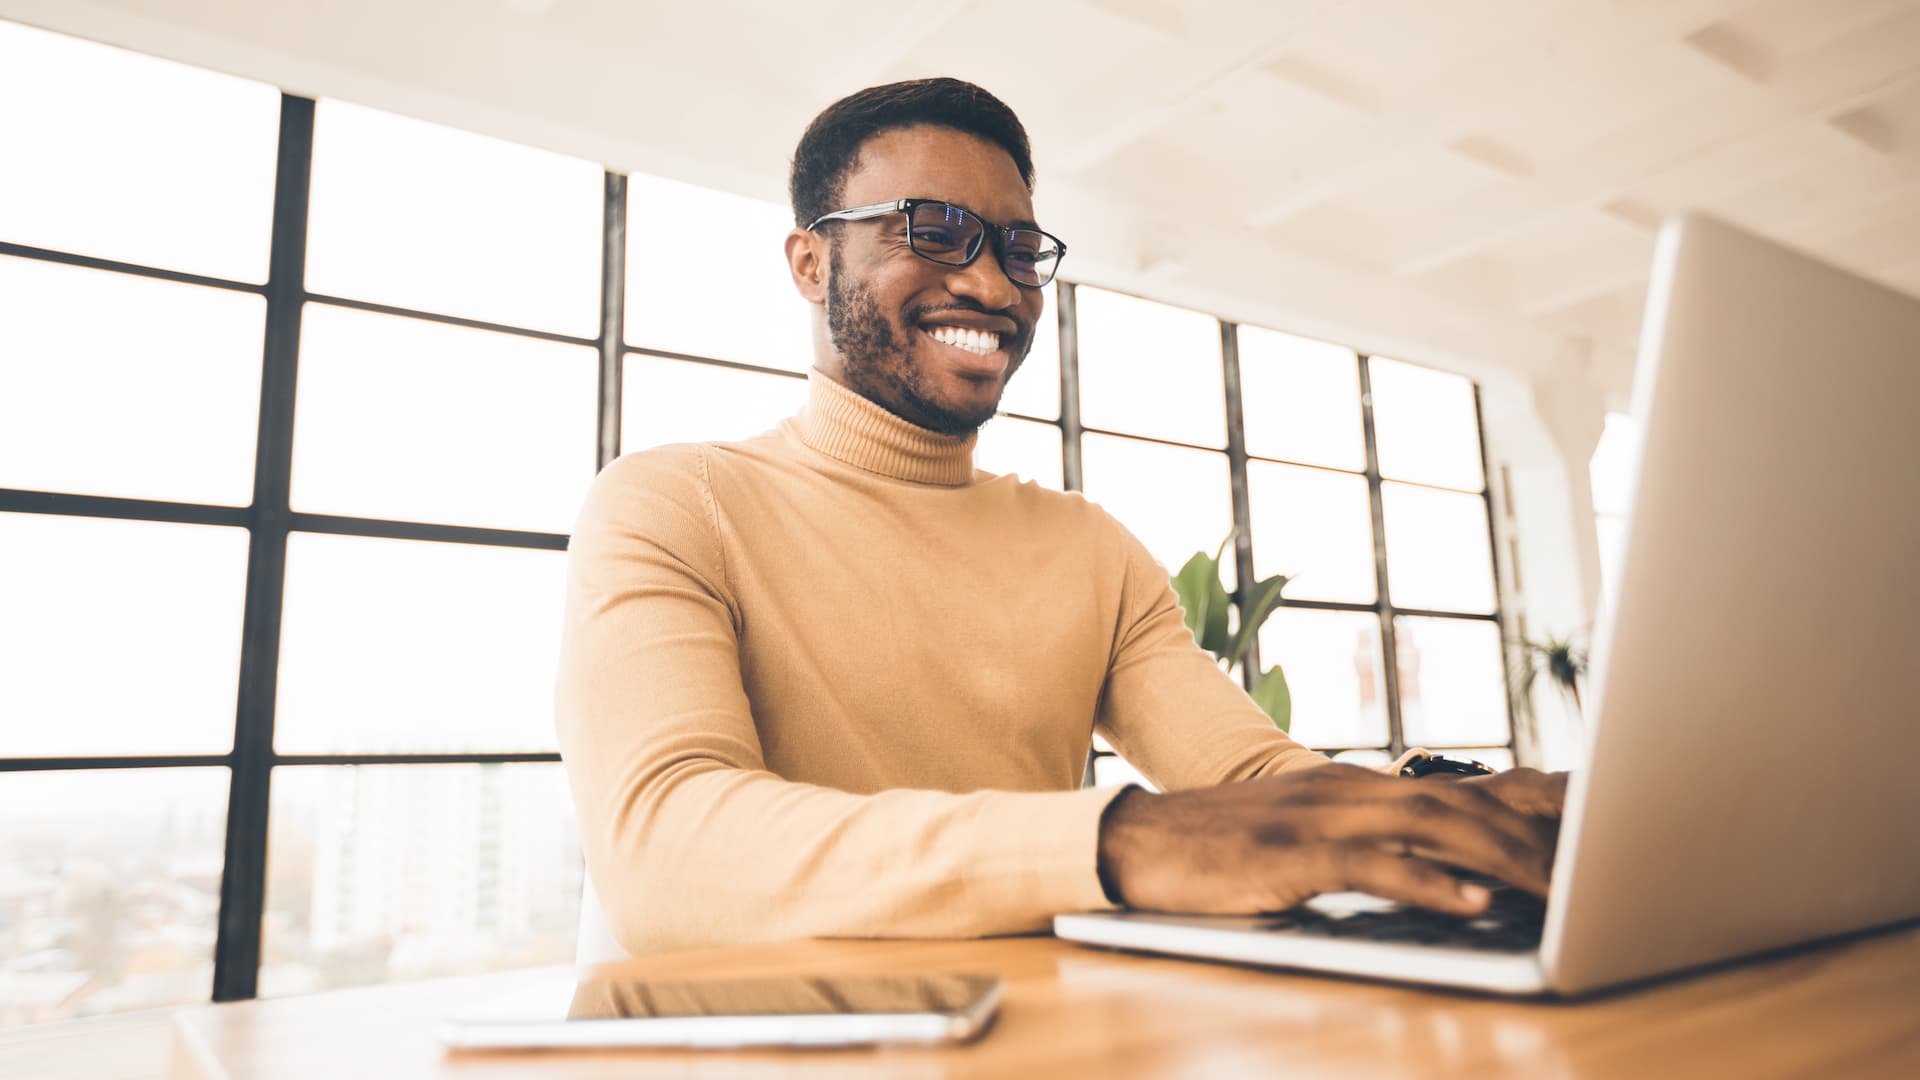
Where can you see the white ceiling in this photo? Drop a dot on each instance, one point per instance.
(1473, 184)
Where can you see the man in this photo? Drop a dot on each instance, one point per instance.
(834, 681)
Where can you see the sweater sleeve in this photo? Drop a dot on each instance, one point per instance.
(1168, 708)
(688, 837)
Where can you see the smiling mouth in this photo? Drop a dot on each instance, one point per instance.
(977, 342)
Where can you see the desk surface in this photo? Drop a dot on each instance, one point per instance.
(1851, 1009)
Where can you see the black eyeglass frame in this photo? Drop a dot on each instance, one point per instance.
(1002, 235)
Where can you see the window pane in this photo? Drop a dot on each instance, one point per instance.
(1611, 530)
(127, 157)
(678, 401)
(1315, 526)
(378, 873)
(1112, 770)
(118, 637)
(1611, 473)
(109, 890)
(1150, 369)
(707, 276)
(1367, 758)
(1334, 671)
(1301, 400)
(402, 646)
(1176, 500)
(1499, 757)
(1438, 558)
(1611, 468)
(1025, 448)
(1425, 425)
(1452, 682)
(427, 217)
(1034, 390)
(118, 385)
(418, 421)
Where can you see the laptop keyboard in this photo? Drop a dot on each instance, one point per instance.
(1511, 923)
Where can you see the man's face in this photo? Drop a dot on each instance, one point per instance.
(887, 307)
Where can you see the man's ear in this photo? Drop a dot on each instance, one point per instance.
(807, 262)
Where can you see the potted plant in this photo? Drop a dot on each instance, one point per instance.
(1561, 659)
(1228, 632)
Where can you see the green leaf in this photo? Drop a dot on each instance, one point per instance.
(1204, 600)
(1261, 599)
(1222, 549)
(1271, 694)
(1190, 588)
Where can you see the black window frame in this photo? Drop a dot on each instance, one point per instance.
(269, 519)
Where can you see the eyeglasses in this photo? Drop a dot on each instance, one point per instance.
(953, 236)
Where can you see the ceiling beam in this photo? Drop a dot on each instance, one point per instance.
(1879, 187)
(1125, 108)
(1444, 109)
(1830, 80)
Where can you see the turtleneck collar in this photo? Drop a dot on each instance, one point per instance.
(847, 427)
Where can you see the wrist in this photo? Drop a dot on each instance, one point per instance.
(1117, 823)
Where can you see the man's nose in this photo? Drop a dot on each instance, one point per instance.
(984, 281)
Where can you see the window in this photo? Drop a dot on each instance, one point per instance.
(1428, 426)
(412, 420)
(1347, 489)
(1150, 369)
(1301, 399)
(1335, 673)
(1452, 683)
(677, 401)
(1034, 389)
(1611, 469)
(419, 216)
(118, 637)
(707, 276)
(283, 565)
(431, 662)
(1176, 499)
(87, 117)
(1439, 553)
(1314, 526)
(1023, 448)
(447, 401)
(109, 889)
(87, 359)
(384, 872)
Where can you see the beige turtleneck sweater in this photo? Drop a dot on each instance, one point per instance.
(832, 680)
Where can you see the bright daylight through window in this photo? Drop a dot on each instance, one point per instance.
(343, 621)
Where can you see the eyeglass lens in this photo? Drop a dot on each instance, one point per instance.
(949, 234)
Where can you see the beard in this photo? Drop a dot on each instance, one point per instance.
(875, 357)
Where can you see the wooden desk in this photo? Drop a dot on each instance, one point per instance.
(1851, 1010)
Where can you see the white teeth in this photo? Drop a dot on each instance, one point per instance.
(978, 342)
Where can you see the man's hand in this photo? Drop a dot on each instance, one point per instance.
(1268, 844)
(1528, 791)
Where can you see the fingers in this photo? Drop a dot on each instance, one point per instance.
(1490, 840)
(1537, 832)
(1526, 790)
(1268, 844)
(1459, 822)
(1366, 868)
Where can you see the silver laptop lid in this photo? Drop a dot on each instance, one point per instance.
(1754, 741)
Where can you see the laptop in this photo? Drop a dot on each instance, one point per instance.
(1752, 767)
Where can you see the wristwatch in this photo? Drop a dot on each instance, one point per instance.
(1435, 765)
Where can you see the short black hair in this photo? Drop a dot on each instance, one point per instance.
(831, 145)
